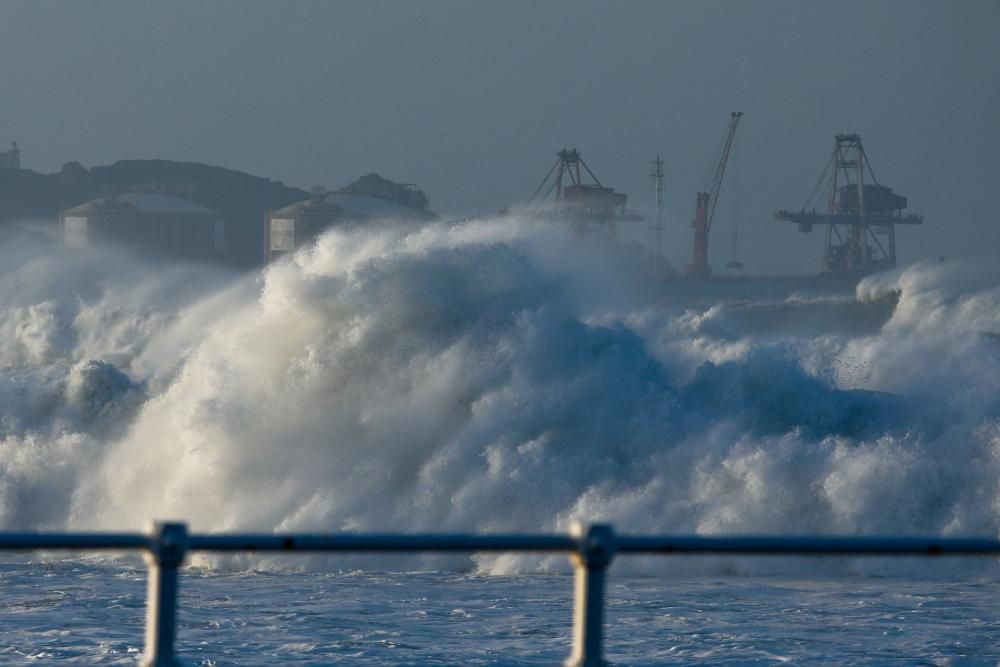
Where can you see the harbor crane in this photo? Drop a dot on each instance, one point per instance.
(585, 206)
(861, 214)
(705, 204)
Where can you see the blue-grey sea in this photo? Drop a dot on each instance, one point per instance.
(71, 610)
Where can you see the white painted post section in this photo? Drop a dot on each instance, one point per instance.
(167, 550)
(590, 563)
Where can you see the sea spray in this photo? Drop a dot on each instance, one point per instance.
(485, 376)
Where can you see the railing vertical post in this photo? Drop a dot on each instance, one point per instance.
(168, 546)
(590, 563)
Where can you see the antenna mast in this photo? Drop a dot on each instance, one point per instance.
(657, 175)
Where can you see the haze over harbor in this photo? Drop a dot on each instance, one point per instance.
(472, 100)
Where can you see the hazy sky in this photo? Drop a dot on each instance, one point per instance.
(472, 99)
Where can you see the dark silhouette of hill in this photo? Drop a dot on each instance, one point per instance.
(241, 198)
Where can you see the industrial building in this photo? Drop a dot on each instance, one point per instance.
(369, 198)
(152, 223)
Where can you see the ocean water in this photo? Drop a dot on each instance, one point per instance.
(93, 612)
(495, 376)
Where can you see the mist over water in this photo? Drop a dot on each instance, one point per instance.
(487, 376)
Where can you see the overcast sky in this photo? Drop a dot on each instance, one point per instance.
(471, 100)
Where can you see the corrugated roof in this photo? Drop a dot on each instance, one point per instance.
(142, 202)
(317, 205)
(154, 202)
(351, 206)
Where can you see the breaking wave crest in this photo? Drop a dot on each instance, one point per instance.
(486, 376)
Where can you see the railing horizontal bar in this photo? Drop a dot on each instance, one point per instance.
(101, 541)
(382, 542)
(446, 542)
(809, 545)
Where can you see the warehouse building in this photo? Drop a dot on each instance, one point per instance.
(368, 199)
(149, 222)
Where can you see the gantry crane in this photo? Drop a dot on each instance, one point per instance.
(585, 206)
(859, 211)
(705, 206)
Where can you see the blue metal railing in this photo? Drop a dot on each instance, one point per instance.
(591, 549)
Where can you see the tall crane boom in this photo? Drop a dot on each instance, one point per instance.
(705, 204)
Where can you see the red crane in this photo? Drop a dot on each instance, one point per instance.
(705, 207)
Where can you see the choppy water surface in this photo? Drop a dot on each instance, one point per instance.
(91, 612)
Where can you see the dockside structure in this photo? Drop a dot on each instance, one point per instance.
(861, 214)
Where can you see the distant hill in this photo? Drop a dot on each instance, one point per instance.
(241, 198)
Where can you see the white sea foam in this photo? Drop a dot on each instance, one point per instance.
(484, 376)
